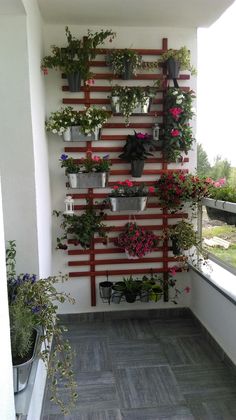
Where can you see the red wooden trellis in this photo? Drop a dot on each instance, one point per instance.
(92, 262)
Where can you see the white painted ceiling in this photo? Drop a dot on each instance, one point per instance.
(172, 13)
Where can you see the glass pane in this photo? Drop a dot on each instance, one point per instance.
(219, 237)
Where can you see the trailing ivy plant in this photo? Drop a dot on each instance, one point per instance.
(33, 303)
(81, 228)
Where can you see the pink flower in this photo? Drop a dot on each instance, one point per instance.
(222, 181)
(187, 289)
(175, 112)
(45, 71)
(151, 189)
(96, 158)
(115, 187)
(209, 180)
(217, 184)
(89, 82)
(173, 271)
(175, 133)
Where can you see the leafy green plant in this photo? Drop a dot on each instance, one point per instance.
(96, 164)
(223, 192)
(71, 165)
(120, 60)
(81, 228)
(76, 55)
(129, 97)
(33, 303)
(128, 189)
(185, 235)
(61, 120)
(138, 147)
(182, 56)
(93, 118)
(177, 133)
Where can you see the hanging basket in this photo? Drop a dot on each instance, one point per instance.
(105, 289)
(78, 135)
(74, 81)
(173, 68)
(175, 246)
(140, 109)
(137, 168)
(128, 203)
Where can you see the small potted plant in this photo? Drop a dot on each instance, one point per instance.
(177, 134)
(132, 99)
(176, 60)
(136, 241)
(62, 121)
(136, 150)
(72, 169)
(131, 289)
(81, 228)
(92, 120)
(127, 196)
(124, 63)
(74, 59)
(92, 172)
(221, 202)
(33, 325)
(183, 237)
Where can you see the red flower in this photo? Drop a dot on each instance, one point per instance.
(151, 189)
(89, 82)
(175, 112)
(187, 289)
(115, 187)
(175, 133)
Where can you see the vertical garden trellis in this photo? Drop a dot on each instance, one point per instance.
(93, 263)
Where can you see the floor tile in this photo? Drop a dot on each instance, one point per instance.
(91, 354)
(158, 413)
(174, 327)
(127, 353)
(215, 410)
(132, 329)
(188, 350)
(198, 383)
(147, 387)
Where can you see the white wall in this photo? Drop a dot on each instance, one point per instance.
(216, 313)
(7, 410)
(126, 37)
(40, 144)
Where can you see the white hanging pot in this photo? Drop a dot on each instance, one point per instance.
(67, 134)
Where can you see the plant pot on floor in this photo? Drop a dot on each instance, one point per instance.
(137, 168)
(105, 289)
(130, 297)
(22, 369)
(74, 81)
(117, 292)
(128, 203)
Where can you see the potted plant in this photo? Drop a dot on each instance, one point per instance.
(92, 120)
(125, 63)
(175, 189)
(33, 325)
(61, 122)
(92, 172)
(176, 60)
(130, 288)
(105, 290)
(221, 202)
(183, 237)
(177, 133)
(81, 228)
(74, 59)
(127, 196)
(136, 241)
(72, 169)
(136, 150)
(132, 99)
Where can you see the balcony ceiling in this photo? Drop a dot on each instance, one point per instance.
(177, 13)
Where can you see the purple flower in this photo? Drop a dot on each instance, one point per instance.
(64, 157)
(106, 157)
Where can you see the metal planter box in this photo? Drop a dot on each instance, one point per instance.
(140, 109)
(88, 180)
(76, 134)
(22, 371)
(128, 203)
(224, 211)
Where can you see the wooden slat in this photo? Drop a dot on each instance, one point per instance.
(102, 101)
(99, 273)
(124, 261)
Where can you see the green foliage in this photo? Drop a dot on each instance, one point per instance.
(185, 234)
(76, 55)
(224, 193)
(22, 323)
(11, 259)
(118, 60)
(62, 119)
(177, 133)
(138, 147)
(71, 165)
(81, 228)
(203, 165)
(128, 189)
(96, 164)
(221, 168)
(93, 118)
(182, 56)
(129, 97)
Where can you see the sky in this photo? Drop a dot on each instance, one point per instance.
(216, 99)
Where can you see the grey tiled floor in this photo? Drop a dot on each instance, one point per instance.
(147, 369)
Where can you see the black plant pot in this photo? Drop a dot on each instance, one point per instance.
(74, 81)
(105, 289)
(127, 73)
(130, 297)
(137, 168)
(175, 246)
(173, 68)
(221, 215)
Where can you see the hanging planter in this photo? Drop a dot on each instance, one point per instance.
(105, 289)
(175, 245)
(21, 371)
(77, 134)
(128, 203)
(92, 180)
(137, 167)
(74, 81)
(117, 292)
(73, 180)
(139, 108)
